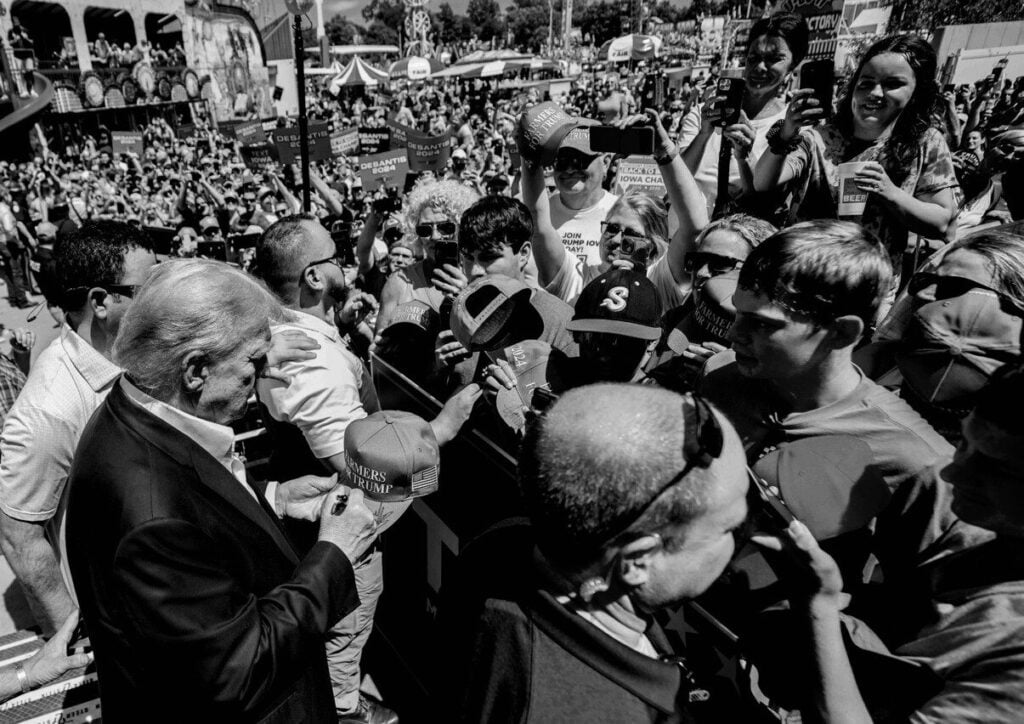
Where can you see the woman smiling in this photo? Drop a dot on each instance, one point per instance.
(887, 123)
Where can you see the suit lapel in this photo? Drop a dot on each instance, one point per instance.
(208, 471)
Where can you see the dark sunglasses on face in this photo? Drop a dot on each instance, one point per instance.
(631, 239)
(568, 161)
(715, 263)
(444, 228)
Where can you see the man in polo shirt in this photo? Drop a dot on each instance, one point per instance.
(97, 270)
(308, 416)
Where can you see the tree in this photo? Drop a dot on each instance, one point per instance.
(529, 22)
(449, 26)
(931, 14)
(602, 21)
(485, 18)
(383, 18)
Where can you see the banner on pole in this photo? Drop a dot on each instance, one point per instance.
(428, 153)
(374, 140)
(287, 142)
(388, 168)
(640, 173)
(126, 142)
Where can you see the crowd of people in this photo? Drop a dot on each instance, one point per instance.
(739, 390)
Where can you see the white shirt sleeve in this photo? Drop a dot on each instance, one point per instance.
(37, 449)
(568, 282)
(321, 399)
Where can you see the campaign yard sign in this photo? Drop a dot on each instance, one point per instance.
(374, 140)
(257, 155)
(388, 168)
(428, 153)
(345, 142)
(399, 133)
(126, 142)
(287, 142)
(249, 133)
(641, 173)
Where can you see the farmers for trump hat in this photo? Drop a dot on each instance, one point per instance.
(541, 131)
(392, 456)
(620, 301)
(578, 139)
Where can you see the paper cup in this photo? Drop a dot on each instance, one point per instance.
(851, 198)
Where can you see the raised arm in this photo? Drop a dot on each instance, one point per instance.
(771, 171)
(548, 249)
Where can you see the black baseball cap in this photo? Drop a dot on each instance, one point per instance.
(620, 301)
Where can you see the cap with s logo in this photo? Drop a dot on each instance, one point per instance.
(620, 301)
(392, 456)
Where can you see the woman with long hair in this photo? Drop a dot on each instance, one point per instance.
(887, 120)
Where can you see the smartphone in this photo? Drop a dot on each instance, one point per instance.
(345, 250)
(622, 141)
(161, 239)
(243, 241)
(997, 71)
(819, 76)
(731, 90)
(446, 252)
(652, 92)
(213, 250)
(772, 505)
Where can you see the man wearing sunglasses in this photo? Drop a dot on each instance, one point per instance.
(97, 270)
(633, 495)
(308, 416)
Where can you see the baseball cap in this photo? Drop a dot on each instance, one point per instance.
(952, 346)
(578, 139)
(498, 181)
(620, 301)
(416, 313)
(530, 361)
(713, 313)
(209, 223)
(542, 129)
(459, 153)
(484, 310)
(392, 456)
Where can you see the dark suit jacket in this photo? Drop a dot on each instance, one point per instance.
(197, 605)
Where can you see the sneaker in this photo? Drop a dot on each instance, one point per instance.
(369, 711)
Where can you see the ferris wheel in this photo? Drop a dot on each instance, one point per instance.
(417, 28)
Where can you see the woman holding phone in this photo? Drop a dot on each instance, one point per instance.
(777, 46)
(887, 123)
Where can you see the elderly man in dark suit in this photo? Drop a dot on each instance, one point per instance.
(197, 604)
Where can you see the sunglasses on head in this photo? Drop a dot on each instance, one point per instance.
(446, 229)
(715, 263)
(703, 441)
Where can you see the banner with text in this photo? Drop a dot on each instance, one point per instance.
(822, 22)
(126, 142)
(640, 173)
(428, 153)
(345, 142)
(388, 168)
(287, 142)
(251, 132)
(257, 155)
(374, 140)
(399, 133)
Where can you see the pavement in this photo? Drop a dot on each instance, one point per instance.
(14, 612)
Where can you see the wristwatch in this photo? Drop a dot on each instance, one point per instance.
(668, 157)
(775, 143)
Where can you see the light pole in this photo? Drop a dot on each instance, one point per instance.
(298, 8)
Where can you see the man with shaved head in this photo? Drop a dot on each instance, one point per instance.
(633, 494)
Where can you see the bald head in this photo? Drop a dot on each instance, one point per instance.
(288, 247)
(600, 453)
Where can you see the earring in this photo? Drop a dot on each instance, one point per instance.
(591, 587)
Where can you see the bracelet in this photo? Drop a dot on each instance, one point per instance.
(667, 158)
(775, 143)
(19, 669)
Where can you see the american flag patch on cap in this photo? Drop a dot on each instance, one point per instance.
(424, 479)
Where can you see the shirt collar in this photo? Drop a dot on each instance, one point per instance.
(218, 440)
(308, 322)
(94, 368)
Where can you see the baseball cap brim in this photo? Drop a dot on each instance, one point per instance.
(614, 326)
(578, 138)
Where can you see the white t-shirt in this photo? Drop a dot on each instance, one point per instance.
(581, 229)
(571, 278)
(707, 171)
